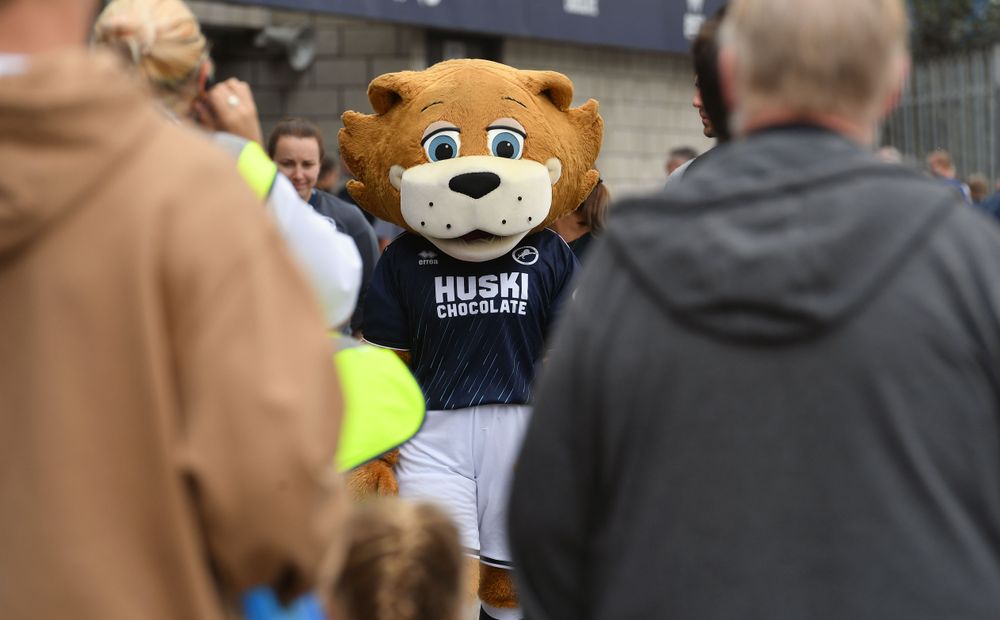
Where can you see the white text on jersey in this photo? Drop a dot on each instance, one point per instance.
(469, 295)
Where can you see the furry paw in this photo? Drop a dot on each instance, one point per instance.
(375, 478)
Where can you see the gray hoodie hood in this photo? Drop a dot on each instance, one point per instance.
(740, 249)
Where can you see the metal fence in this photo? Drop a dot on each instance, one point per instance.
(952, 104)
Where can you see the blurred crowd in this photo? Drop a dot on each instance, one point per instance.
(775, 392)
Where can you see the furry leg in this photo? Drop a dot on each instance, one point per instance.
(496, 587)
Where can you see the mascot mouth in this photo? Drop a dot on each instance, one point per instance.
(477, 246)
(478, 235)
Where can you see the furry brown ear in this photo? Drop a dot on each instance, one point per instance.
(355, 127)
(388, 89)
(551, 84)
(590, 128)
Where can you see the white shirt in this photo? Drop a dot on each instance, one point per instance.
(329, 258)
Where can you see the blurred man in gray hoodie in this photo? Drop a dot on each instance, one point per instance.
(777, 397)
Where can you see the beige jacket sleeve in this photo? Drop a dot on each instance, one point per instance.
(259, 399)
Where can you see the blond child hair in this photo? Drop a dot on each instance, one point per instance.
(404, 562)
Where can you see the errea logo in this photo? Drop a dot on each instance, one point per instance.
(427, 258)
(526, 255)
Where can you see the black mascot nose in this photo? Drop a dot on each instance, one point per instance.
(474, 184)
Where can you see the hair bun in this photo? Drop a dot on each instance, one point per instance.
(135, 38)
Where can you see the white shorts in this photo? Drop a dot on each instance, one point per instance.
(463, 460)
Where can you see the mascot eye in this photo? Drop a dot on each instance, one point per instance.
(505, 142)
(442, 145)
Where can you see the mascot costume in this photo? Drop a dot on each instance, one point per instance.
(474, 159)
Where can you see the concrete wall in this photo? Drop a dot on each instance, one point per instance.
(645, 97)
(645, 102)
(350, 54)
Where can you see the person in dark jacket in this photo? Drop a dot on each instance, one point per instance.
(777, 397)
(941, 167)
(297, 147)
(708, 97)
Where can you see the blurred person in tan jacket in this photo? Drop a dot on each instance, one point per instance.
(169, 409)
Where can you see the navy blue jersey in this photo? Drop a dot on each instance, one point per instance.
(475, 331)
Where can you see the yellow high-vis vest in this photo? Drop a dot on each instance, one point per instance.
(383, 405)
(252, 162)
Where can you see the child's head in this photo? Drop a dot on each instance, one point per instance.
(404, 562)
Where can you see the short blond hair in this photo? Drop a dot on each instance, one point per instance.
(404, 562)
(817, 56)
(160, 38)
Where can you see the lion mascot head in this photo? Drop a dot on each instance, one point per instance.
(471, 154)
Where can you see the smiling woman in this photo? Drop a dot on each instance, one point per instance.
(298, 149)
(297, 146)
